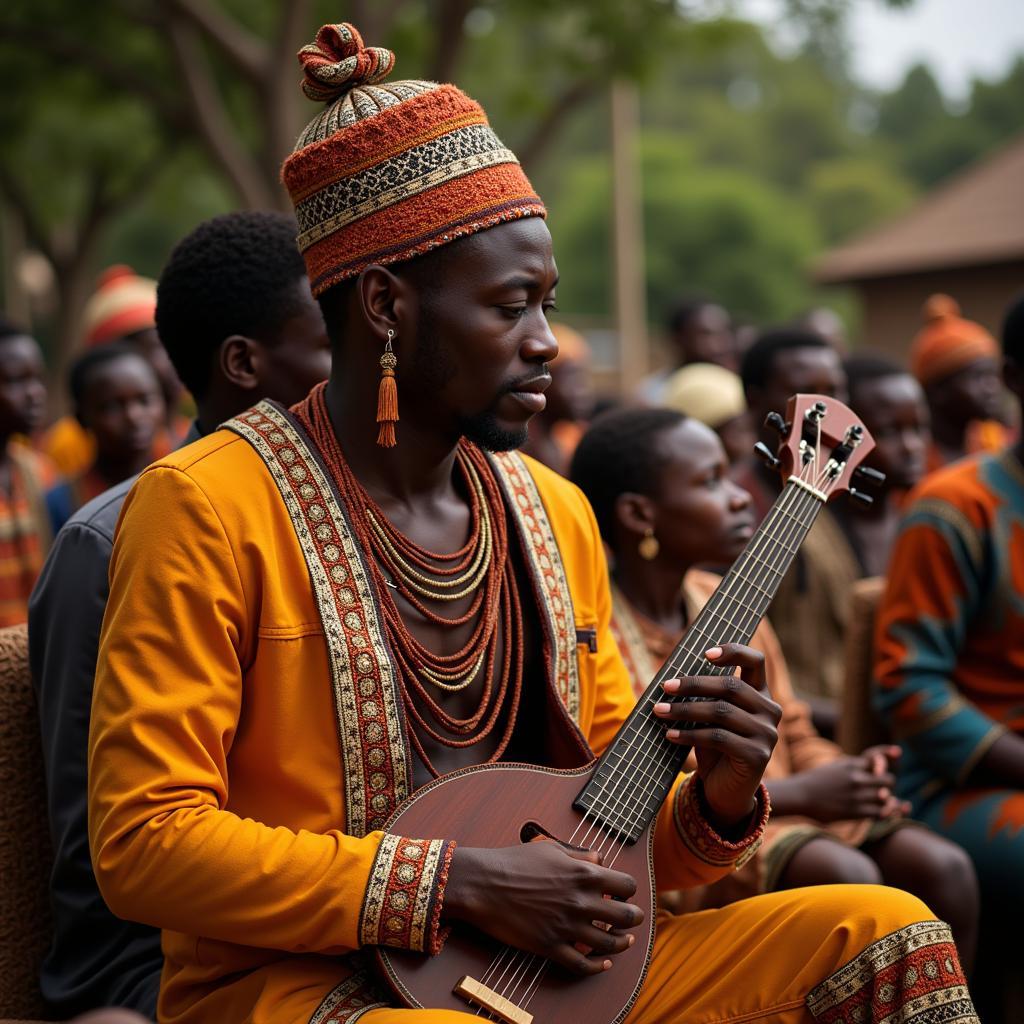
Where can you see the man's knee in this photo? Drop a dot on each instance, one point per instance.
(825, 861)
(873, 908)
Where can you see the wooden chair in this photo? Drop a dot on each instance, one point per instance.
(25, 851)
(859, 726)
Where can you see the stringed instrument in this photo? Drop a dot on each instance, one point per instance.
(610, 805)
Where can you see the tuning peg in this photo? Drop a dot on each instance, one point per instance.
(775, 422)
(870, 477)
(764, 453)
(861, 498)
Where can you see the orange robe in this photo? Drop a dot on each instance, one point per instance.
(240, 649)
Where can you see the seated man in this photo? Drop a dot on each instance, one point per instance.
(890, 403)
(810, 609)
(238, 319)
(950, 660)
(284, 660)
(117, 398)
(658, 482)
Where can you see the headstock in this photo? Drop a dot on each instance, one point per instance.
(822, 445)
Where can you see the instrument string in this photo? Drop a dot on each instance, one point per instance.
(802, 502)
(692, 651)
(520, 962)
(617, 799)
(805, 505)
(614, 798)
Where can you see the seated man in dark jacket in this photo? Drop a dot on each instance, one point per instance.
(237, 318)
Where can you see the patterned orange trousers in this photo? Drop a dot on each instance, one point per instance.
(835, 954)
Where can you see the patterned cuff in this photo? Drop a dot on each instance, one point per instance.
(402, 905)
(702, 840)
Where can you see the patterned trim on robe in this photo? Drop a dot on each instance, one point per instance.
(548, 571)
(376, 769)
(356, 995)
(911, 976)
(402, 905)
(703, 841)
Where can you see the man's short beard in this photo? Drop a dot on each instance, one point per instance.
(482, 429)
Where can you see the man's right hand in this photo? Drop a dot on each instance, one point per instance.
(544, 899)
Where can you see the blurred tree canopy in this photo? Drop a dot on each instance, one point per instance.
(754, 162)
(127, 122)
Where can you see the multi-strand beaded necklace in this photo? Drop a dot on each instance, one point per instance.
(428, 581)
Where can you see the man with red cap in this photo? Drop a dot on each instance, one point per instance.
(316, 611)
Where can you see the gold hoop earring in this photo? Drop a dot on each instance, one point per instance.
(387, 396)
(649, 546)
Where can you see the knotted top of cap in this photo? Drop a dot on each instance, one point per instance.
(340, 71)
(337, 61)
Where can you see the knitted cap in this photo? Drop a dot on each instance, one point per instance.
(948, 343)
(122, 304)
(709, 393)
(389, 171)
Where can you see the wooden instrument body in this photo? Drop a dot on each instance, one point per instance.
(490, 806)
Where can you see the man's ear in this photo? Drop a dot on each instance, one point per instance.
(385, 300)
(634, 513)
(239, 361)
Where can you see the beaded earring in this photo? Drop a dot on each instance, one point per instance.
(387, 396)
(649, 546)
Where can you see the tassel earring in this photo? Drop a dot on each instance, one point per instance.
(387, 396)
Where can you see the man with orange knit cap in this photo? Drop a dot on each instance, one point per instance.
(957, 362)
(316, 611)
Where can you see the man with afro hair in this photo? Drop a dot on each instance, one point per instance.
(237, 318)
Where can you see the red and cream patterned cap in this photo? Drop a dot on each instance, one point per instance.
(122, 304)
(390, 170)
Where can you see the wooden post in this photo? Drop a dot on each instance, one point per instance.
(628, 235)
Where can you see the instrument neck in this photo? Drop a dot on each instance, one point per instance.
(637, 770)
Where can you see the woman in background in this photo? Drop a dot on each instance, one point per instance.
(658, 482)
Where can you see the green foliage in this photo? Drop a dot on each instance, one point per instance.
(929, 142)
(851, 194)
(752, 161)
(707, 232)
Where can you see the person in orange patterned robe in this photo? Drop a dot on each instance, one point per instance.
(950, 653)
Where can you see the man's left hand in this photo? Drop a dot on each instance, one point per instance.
(735, 730)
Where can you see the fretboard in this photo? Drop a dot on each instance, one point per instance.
(636, 772)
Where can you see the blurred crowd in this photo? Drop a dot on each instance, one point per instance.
(932, 802)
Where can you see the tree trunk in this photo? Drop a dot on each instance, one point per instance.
(74, 283)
